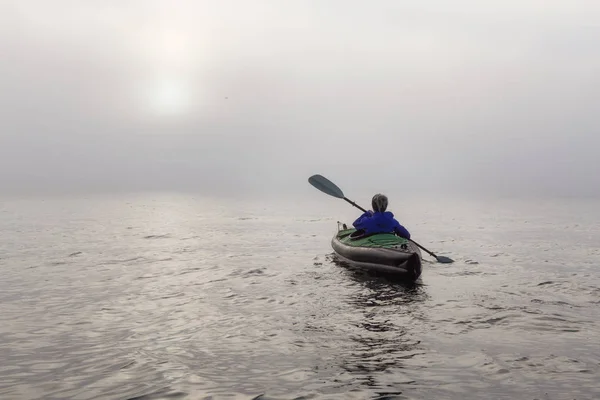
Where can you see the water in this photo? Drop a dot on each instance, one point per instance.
(173, 296)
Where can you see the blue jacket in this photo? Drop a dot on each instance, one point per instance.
(380, 222)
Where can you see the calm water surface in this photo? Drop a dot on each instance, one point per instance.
(173, 296)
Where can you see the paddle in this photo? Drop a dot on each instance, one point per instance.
(330, 188)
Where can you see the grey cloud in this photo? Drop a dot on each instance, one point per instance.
(223, 96)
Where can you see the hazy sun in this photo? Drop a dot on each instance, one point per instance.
(167, 85)
(168, 96)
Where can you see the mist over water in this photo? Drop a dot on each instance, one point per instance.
(428, 97)
(159, 238)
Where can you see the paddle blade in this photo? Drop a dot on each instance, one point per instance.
(326, 186)
(444, 260)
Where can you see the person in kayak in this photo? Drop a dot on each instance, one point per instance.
(379, 220)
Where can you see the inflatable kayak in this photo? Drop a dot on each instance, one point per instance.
(384, 252)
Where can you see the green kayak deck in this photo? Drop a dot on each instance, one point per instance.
(382, 252)
(381, 240)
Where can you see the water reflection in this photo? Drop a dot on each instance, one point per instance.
(385, 336)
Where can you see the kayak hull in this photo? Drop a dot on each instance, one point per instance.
(384, 253)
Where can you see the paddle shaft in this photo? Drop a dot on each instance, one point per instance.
(354, 204)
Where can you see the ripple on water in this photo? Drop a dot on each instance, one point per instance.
(128, 316)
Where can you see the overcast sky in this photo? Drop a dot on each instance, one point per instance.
(466, 95)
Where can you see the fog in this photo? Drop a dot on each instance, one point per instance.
(224, 97)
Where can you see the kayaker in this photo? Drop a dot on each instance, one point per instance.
(379, 220)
